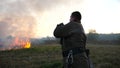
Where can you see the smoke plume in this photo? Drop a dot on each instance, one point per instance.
(17, 17)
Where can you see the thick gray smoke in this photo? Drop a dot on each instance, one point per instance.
(16, 16)
(16, 26)
(21, 7)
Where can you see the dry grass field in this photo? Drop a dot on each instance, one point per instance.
(49, 56)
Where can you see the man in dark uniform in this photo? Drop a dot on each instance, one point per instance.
(73, 40)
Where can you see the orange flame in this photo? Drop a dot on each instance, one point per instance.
(28, 45)
(21, 43)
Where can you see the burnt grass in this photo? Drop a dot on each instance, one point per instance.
(50, 56)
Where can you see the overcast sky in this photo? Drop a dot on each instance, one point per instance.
(38, 18)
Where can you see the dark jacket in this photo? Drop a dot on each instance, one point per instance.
(72, 35)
